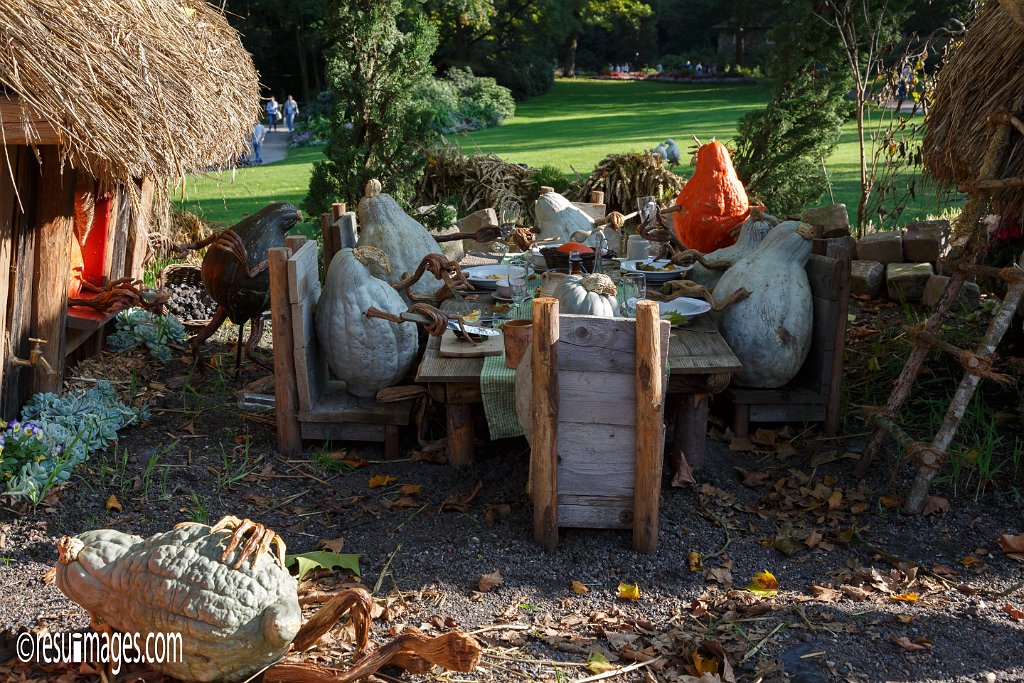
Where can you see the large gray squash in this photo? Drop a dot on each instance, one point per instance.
(559, 219)
(752, 233)
(384, 225)
(233, 622)
(367, 354)
(770, 331)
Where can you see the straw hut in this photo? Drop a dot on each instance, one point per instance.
(978, 95)
(102, 103)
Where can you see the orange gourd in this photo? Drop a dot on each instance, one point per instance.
(570, 247)
(712, 202)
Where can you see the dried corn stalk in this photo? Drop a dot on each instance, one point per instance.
(625, 178)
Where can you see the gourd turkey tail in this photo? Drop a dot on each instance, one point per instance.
(712, 202)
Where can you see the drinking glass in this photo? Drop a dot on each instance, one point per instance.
(641, 205)
(517, 277)
(635, 285)
(509, 212)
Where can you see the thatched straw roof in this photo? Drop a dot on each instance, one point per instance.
(983, 77)
(135, 88)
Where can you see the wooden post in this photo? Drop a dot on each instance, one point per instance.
(346, 233)
(338, 209)
(692, 428)
(650, 436)
(597, 197)
(834, 400)
(329, 248)
(138, 234)
(459, 448)
(544, 419)
(8, 202)
(14, 390)
(55, 218)
(286, 392)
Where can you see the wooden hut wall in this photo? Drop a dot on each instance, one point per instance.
(36, 222)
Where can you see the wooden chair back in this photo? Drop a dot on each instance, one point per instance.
(597, 421)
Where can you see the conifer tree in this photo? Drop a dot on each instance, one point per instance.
(378, 127)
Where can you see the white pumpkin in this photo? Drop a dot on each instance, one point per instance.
(558, 219)
(367, 354)
(384, 225)
(752, 232)
(588, 295)
(770, 331)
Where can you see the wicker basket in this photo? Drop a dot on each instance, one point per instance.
(184, 274)
(560, 259)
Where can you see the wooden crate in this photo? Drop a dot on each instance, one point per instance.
(814, 395)
(309, 404)
(597, 437)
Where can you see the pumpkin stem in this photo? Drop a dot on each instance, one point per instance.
(806, 231)
(598, 283)
(373, 187)
(68, 548)
(368, 255)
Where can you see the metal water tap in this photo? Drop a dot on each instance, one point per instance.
(35, 357)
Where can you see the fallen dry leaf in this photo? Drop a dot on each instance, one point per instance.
(1012, 544)
(334, 545)
(905, 597)
(764, 585)
(835, 500)
(855, 593)
(694, 561)
(379, 480)
(1015, 614)
(935, 505)
(825, 594)
(113, 504)
(722, 575)
(915, 645)
(410, 489)
(890, 502)
(905, 618)
(597, 663)
(813, 539)
(629, 591)
(492, 512)
(403, 503)
(460, 502)
(579, 588)
(490, 581)
(741, 443)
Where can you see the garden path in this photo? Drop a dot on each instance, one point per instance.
(275, 147)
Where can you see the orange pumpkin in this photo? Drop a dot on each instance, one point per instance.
(713, 201)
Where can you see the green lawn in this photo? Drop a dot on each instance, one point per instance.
(572, 127)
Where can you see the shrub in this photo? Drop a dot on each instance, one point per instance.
(525, 74)
(463, 102)
(551, 176)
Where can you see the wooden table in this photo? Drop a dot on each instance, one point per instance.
(700, 362)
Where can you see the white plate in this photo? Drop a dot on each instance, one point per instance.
(685, 306)
(654, 276)
(489, 277)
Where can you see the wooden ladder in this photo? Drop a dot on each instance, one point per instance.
(977, 364)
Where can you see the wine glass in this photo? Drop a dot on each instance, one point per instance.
(635, 286)
(509, 212)
(642, 205)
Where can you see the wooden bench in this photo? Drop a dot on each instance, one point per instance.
(597, 422)
(309, 404)
(814, 395)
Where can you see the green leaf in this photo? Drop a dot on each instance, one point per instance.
(676, 319)
(597, 663)
(321, 559)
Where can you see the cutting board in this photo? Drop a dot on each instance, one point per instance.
(453, 347)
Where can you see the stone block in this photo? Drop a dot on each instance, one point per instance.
(866, 277)
(831, 218)
(923, 241)
(884, 247)
(970, 293)
(476, 220)
(907, 281)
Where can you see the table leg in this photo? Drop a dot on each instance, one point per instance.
(460, 434)
(690, 432)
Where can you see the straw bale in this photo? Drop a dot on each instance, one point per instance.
(982, 77)
(137, 88)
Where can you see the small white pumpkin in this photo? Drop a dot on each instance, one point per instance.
(558, 219)
(367, 354)
(752, 232)
(588, 295)
(384, 225)
(770, 331)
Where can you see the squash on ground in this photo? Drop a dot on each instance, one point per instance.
(712, 202)
(367, 354)
(384, 225)
(770, 331)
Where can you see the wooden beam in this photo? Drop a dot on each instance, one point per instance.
(286, 393)
(650, 436)
(8, 202)
(544, 418)
(23, 125)
(138, 230)
(54, 222)
(329, 248)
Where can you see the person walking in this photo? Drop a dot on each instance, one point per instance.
(273, 111)
(291, 108)
(259, 132)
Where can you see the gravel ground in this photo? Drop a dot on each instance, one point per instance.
(537, 628)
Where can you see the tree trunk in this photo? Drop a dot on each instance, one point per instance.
(300, 50)
(570, 55)
(865, 189)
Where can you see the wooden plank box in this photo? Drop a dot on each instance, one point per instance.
(326, 410)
